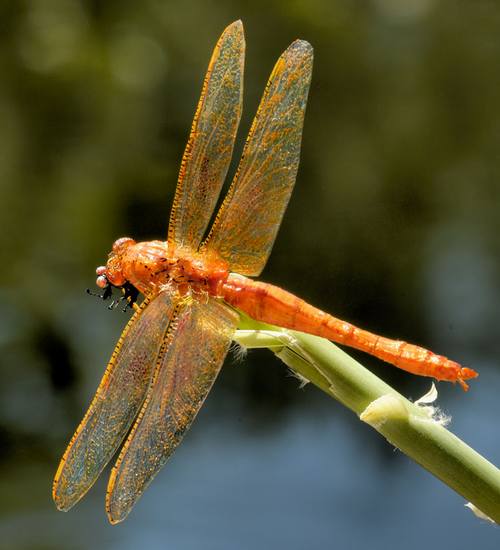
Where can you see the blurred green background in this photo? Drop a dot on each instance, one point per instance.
(394, 225)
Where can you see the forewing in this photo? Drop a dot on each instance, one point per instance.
(248, 221)
(194, 353)
(210, 146)
(116, 403)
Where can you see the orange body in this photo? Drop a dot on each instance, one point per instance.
(270, 304)
(149, 266)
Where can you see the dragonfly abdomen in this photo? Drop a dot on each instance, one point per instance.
(270, 304)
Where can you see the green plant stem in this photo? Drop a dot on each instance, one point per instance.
(408, 426)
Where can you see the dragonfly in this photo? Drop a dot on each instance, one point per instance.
(197, 281)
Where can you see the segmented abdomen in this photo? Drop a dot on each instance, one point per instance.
(270, 304)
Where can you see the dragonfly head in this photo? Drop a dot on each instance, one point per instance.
(112, 272)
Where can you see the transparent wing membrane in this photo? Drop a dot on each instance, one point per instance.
(209, 149)
(248, 221)
(193, 355)
(116, 402)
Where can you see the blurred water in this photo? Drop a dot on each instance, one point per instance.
(311, 484)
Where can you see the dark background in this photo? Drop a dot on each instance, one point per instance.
(394, 225)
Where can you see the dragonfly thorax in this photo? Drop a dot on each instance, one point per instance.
(151, 265)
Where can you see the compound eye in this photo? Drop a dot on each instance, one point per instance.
(121, 243)
(101, 281)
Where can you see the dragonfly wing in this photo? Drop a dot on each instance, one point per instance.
(116, 403)
(184, 375)
(210, 146)
(248, 221)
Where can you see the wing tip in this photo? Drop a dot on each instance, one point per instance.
(62, 504)
(302, 47)
(115, 510)
(114, 516)
(235, 26)
(298, 56)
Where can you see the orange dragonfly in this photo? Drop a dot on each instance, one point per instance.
(173, 347)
